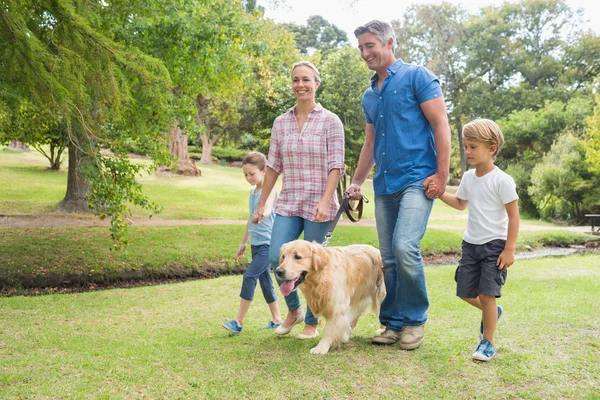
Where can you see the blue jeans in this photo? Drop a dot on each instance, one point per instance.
(287, 229)
(259, 269)
(401, 220)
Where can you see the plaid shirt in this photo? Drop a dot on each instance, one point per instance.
(305, 159)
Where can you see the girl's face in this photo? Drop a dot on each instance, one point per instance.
(304, 84)
(253, 174)
(478, 152)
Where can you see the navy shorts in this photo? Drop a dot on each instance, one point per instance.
(477, 272)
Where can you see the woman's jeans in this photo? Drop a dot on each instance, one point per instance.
(259, 269)
(401, 222)
(287, 229)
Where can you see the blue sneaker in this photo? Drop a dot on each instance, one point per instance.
(232, 326)
(485, 351)
(500, 311)
(270, 325)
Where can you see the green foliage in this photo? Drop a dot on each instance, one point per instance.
(317, 34)
(344, 79)
(561, 184)
(593, 144)
(522, 178)
(229, 153)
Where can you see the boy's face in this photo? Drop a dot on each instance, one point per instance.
(253, 174)
(478, 152)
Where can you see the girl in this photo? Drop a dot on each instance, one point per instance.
(254, 167)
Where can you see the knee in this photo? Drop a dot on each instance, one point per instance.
(406, 252)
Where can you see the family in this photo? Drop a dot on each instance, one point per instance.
(407, 140)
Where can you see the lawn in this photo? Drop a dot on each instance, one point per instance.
(166, 342)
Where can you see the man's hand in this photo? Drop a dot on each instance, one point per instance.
(354, 192)
(435, 185)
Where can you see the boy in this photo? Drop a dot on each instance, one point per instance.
(488, 246)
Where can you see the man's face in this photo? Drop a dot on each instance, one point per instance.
(375, 53)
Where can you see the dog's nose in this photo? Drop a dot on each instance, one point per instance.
(280, 273)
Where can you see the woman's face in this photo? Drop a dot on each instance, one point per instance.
(304, 84)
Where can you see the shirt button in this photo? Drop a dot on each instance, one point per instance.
(381, 116)
(383, 134)
(385, 172)
(384, 153)
(380, 97)
(394, 91)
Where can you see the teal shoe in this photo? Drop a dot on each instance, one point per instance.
(270, 325)
(485, 351)
(232, 326)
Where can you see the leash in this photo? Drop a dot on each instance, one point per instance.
(348, 209)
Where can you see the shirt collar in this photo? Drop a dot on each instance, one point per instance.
(392, 69)
(318, 108)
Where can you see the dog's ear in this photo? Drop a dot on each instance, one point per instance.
(319, 256)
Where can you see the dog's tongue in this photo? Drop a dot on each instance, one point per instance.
(286, 287)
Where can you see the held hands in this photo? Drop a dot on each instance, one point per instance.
(258, 214)
(434, 186)
(506, 259)
(354, 192)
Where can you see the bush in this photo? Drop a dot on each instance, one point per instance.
(228, 153)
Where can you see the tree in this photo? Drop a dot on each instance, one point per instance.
(59, 56)
(593, 144)
(317, 34)
(561, 183)
(344, 76)
(435, 36)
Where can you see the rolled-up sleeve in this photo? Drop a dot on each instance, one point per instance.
(275, 160)
(335, 144)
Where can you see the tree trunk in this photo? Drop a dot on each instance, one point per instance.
(206, 150)
(178, 146)
(77, 184)
(15, 145)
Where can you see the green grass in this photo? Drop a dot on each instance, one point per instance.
(221, 192)
(166, 342)
(57, 257)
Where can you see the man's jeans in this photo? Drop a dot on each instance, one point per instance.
(286, 229)
(401, 222)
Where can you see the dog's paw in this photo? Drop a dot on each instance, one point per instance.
(320, 349)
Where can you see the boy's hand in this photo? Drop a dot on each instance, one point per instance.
(241, 250)
(506, 259)
(258, 215)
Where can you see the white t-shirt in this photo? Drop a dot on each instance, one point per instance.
(487, 196)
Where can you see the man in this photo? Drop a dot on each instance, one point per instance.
(408, 140)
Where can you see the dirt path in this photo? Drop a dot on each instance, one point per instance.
(53, 220)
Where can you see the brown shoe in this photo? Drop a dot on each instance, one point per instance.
(386, 338)
(412, 337)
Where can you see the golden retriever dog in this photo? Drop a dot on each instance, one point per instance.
(339, 284)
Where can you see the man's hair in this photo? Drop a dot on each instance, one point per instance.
(257, 159)
(484, 130)
(309, 65)
(382, 31)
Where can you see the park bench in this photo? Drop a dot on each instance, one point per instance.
(595, 221)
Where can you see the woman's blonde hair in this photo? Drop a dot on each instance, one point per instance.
(486, 131)
(309, 65)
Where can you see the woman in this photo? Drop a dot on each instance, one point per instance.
(307, 147)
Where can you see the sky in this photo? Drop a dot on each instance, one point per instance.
(348, 14)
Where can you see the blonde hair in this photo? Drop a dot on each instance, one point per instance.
(309, 65)
(486, 131)
(257, 159)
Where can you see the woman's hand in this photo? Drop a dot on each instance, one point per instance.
(258, 215)
(321, 211)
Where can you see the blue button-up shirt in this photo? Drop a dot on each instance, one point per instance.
(404, 149)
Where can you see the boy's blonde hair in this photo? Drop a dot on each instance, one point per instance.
(486, 131)
(309, 65)
(257, 159)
